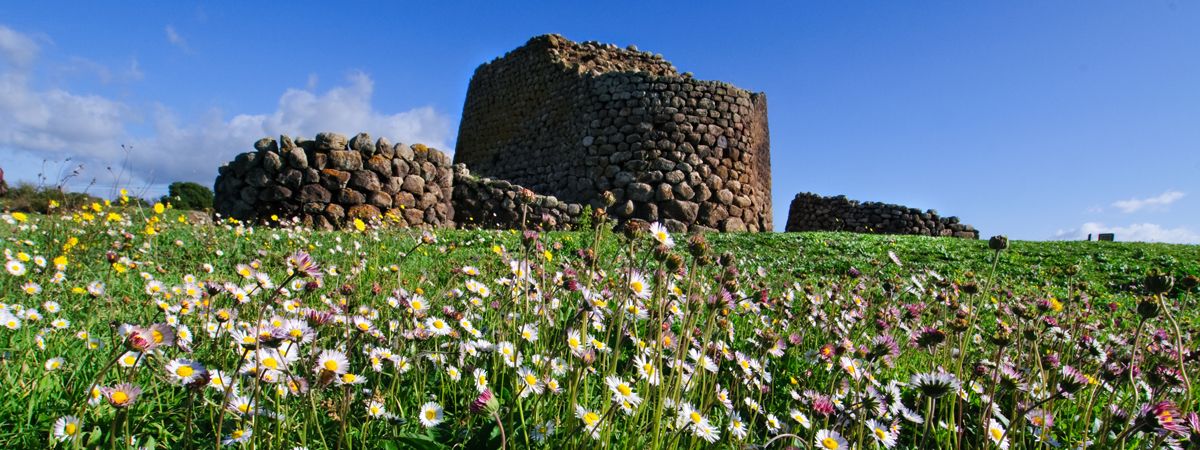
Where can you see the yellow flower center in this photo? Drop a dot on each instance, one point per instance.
(829, 443)
(636, 286)
(590, 418)
(880, 433)
(331, 365)
(695, 416)
(184, 371)
(430, 414)
(530, 379)
(120, 397)
(996, 433)
(70, 429)
(271, 363)
(624, 389)
(349, 378)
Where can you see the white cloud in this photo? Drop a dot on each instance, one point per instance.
(56, 124)
(199, 147)
(175, 39)
(1136, 204)
(17, 48)
(1138, 232)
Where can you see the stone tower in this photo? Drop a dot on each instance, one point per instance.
(576, 119)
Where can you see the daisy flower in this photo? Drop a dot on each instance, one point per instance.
(800, 418)
(935, 385)
(530, 384)
(14, 268)
(638, 286)
(437, 326)
(660, 234)
(238, 436)
(882, 433)
(831, 440)
(591, 421)
(622, 392)
(997, 435)
(646, 369)
(706, 431)
(736, 426)
(183, 371)
(431, 414)
(53, 364)
(481, 380)
(121, 395)
(66, 428)
(332, 361)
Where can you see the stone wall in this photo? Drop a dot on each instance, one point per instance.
(811, 212)
(481, 202)
(573, 120)
(331, 180)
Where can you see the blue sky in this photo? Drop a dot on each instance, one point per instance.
(1040, 120)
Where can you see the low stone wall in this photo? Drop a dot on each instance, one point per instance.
(331, 180)
(811, 212)
(481, 202)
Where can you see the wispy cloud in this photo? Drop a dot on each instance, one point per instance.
(176, 39)
(1137, 232)
(1137, 204)
(17, 48)
(56, 123)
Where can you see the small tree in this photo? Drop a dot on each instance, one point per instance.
(188, 195)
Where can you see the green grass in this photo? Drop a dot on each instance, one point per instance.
(783, 287)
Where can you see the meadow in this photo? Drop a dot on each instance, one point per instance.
(127, 327)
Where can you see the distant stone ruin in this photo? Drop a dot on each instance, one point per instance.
(811, 212)
(331, 180)
(573, 120)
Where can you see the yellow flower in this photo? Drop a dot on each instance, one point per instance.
(53, 204)
(120, 268)
(20, 216)
(71, 243)
(113, 217)
(96, 207)
(496, 249)
(549, 256)
(1056, 305)
(159, 208)
(359, 225)
(60, 261)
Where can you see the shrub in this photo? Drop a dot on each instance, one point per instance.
(188, 195)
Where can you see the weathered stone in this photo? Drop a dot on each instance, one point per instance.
(296, 158)
(292, 178)
(314, 193)
(274, 193)
(334, 179)
(733, 225)
(380, 199)
(362, 143)
(266, 145)
(381, 165)
(331, 142)
(350, 197)
(414, 184)
(683, 211)
(639, 192)
(271, 162)
(345, 160)
(364, 180)
(335, 212)
(364, 212)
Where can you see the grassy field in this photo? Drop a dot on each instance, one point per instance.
(128, 327)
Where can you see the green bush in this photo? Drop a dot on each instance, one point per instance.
(26, 197)
(188, 195)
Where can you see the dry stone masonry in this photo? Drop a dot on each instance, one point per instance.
(573, 120)
(481, 202)
(331, 180)
(811, 212)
